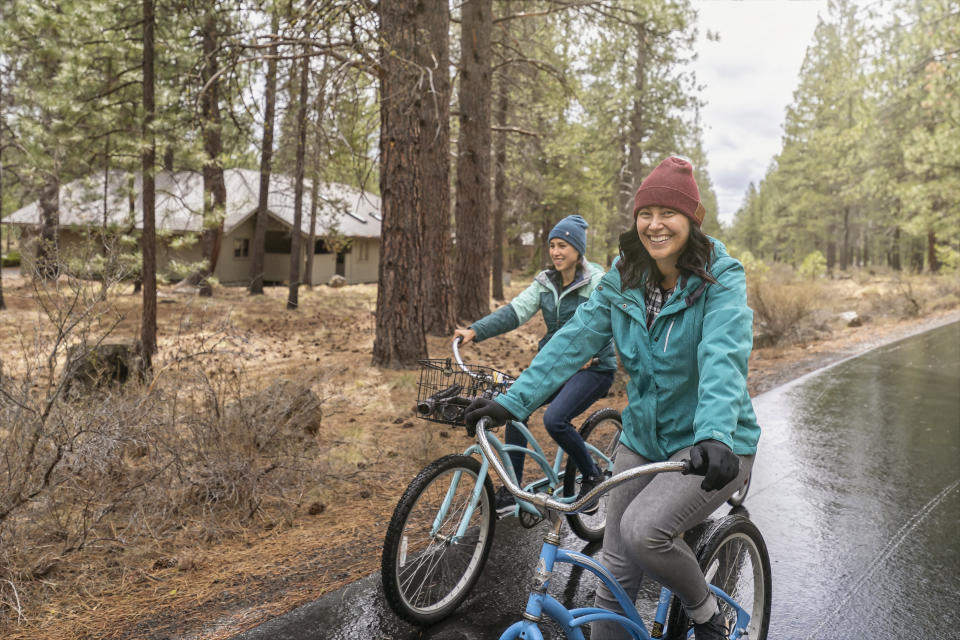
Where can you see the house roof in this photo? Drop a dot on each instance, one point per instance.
(179, 204)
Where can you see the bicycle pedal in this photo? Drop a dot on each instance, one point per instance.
(507, 512)
(528, 520)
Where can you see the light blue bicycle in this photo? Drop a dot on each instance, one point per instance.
(731, 552)
(441, 531)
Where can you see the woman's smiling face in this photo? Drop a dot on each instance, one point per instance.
(664, 233)
(563, 255)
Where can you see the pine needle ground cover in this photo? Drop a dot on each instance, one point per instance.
(257, 468)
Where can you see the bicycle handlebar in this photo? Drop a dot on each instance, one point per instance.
(545, 501)
(456, 353)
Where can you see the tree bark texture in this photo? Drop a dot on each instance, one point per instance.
(499, 187)
(473, 226)
(400, 340)
(48, 261)
(433, 18)
(933, 262)
(148, 239)
(293, 296)
(266, 162)
(316, 161)
(3, 305)
(214, 188)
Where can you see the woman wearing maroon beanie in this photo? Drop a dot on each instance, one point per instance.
(675, 305)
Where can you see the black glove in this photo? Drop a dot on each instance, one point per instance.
(715, 461)
(485, 408)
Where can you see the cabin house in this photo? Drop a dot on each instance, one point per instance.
(347, 231)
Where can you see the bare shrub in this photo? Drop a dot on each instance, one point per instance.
(198, 450)
(782, 304)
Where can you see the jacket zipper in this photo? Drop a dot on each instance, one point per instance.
(667, 339)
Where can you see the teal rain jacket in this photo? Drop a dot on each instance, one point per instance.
(557, 308)
(688, 372)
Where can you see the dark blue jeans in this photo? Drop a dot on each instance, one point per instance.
(576, 395)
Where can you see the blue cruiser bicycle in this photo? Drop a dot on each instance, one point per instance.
(442, 528)
(730, 550)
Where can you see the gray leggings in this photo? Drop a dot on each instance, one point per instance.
(653, 512)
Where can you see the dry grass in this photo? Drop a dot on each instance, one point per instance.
(202, 518)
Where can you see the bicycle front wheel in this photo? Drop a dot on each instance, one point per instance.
(734, 558)
(427, 570)
(601, 431)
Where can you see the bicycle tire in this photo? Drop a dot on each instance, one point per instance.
(737, 498)
(742, 570)
(602, 430)
(426, 577)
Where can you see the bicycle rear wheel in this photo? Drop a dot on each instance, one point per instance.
(601, 431)
(426, 573)
(734, 558)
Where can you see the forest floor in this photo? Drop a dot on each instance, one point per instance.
(375, 443)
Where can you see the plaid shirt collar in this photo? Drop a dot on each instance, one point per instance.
(655, 298)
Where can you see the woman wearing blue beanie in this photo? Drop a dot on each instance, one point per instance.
(556, 293)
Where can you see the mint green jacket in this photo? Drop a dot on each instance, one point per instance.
(557, 307)
(688, 372)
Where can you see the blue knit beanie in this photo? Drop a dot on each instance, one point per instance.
(573, 231)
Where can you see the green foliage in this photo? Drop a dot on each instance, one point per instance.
(11, 259)
(867, 173)
(813, 266)
(753, 268)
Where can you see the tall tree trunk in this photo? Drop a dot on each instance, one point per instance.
(214, 189)
(845, 236)
(3, 305)
(48, 260)
(434, 58)
(318, 108)
(105, 221)
(893, 257)
(312, 237)
(266, 159)
(499, 185)
(933, 262)
(400, 340)
(473, 163)
(293, 296)
(148, 240)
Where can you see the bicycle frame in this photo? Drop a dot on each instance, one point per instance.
(553, 476)
(541, 603)
(553, 473)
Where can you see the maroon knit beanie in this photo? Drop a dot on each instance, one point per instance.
(671, 185)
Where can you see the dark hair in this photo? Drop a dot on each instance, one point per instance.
(635, 261)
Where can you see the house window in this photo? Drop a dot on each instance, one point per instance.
(320, 247)
(363, 251)
(277, 242)
(241, 247)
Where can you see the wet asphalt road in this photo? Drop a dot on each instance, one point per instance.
(856, 489)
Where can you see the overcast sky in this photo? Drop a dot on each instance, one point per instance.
(750, 76)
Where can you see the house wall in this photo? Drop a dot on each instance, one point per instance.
(236, 254)
(360, 264)
(172, 262)
(324, 266)
(363, 260)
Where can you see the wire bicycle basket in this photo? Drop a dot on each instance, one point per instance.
(447, 388)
